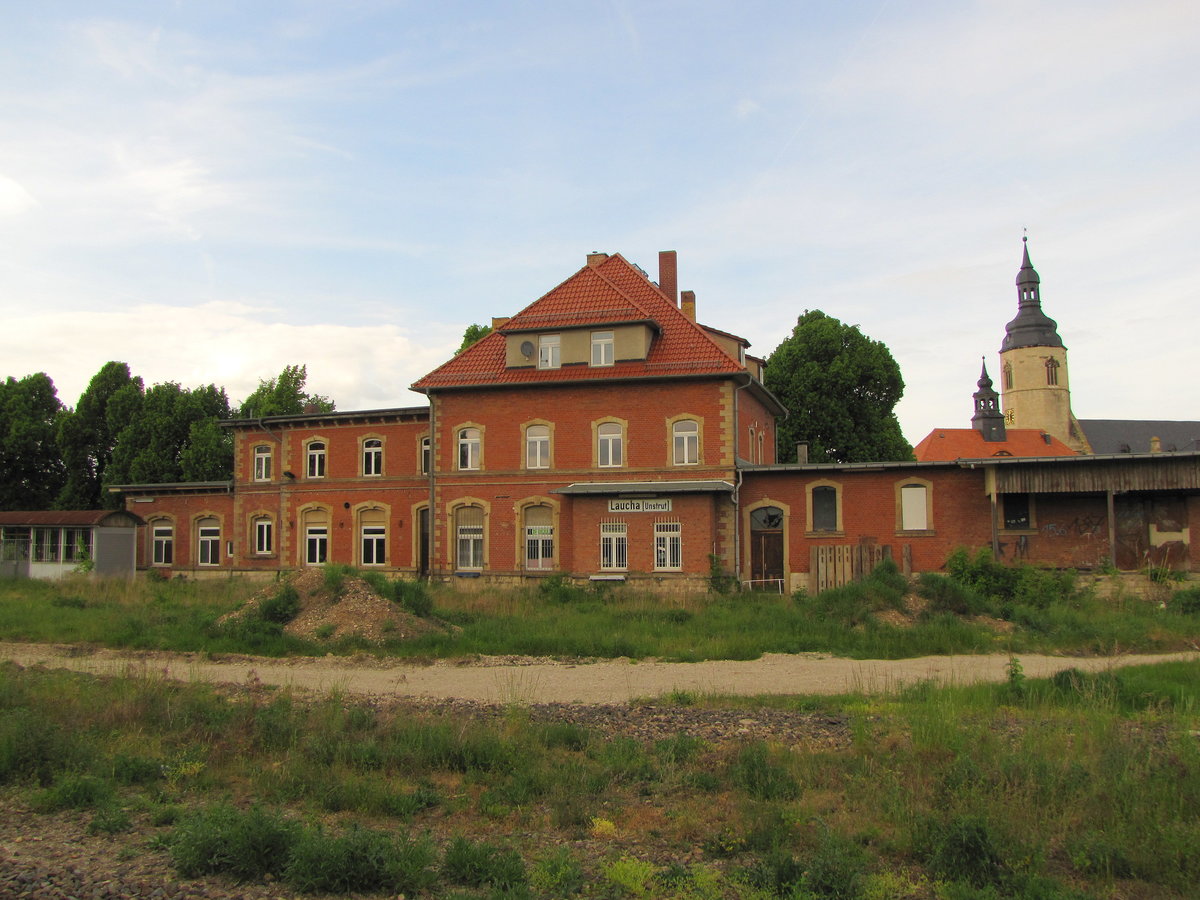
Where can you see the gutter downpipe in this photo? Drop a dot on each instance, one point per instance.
(430, 542)
(737, 485)
(989, 481)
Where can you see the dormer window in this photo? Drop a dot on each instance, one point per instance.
(602, 348)
(549, 351)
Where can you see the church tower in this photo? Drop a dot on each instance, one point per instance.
(988, 420)
(1035, 390)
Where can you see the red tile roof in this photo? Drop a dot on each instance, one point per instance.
(967, 443)
(613, 292)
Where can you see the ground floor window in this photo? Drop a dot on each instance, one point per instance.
(668, 545)
(539, 538)
(163, 547)
(210, 542)
(468, 523)
(263, 536)
(1016, 512)
(316, 545)
(613, 546)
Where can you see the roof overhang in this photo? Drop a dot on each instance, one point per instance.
(643, 488)
(179, 487)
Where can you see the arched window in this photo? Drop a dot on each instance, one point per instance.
(1008, 376)
(372, 460)
(610, 445)
(162, 546)
(539, 538)
(372, 525)
(262, 462)
(316, 537)
(685, 439)
(208, 532)
(316, 459)
(468, 529)
(470, 446)
(1051, 371)
(914, 507)
(537, 447)
(264, 535)
(824, 508)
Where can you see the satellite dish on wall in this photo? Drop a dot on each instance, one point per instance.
(527, 348)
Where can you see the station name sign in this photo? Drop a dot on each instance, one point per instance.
(650, 505)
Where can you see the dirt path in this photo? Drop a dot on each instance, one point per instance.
(518, 680)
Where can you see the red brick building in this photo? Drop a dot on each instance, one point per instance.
(603, 433)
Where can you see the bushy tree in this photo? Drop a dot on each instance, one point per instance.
(283, 396)
(31, 466)
(841, 389)
(473, 334)
(87, 434)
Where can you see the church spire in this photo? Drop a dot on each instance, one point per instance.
(988, 420)
(1031, 327)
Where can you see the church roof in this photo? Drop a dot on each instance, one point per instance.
(1031, 327)
(611, 292)
(1134, 435)
(943, 444)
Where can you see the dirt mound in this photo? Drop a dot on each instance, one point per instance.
(329, 612)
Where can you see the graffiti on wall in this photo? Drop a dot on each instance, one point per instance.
(1083, 526)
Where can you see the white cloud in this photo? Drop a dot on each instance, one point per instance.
(14, 199)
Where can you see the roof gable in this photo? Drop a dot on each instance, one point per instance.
(611, 292)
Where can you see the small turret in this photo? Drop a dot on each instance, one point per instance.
(988, 420)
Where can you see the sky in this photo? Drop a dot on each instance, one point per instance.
(210, 191)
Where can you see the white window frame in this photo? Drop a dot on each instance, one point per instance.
(470, 449)
(264, 536)
(262, 462)
(549, 351)
(373, 540)
(316, 545)
(603, 348)
(686, 443)
(668, 546)
(537, 447)
(208, 544)
(372, 457)
(614, 546)
(610, 445)
(468, 540)
(162, 544)
(539, 542)
(315, 455)
(426, 451)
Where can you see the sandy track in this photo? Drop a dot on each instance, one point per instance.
(508, 680)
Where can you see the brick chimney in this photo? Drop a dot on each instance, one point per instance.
(499, 321)
(802, 452)
(595, 258)
(668, 275)
(1156, 444)
(688, 304)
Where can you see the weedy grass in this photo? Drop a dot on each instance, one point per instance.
(1069, 786)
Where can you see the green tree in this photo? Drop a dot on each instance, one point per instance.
(171, 435)
(87, 434)
(841, 389)
(30, 460)
(283, 396)
(473, 334)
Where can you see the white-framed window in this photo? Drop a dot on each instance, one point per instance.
(470, 443)
(426, 454)
(610, 445)
(914, 507)
(668, 546)
(537, 447)
(262, 462)
(316, 545)
(602, 348)
(372, 525)
(685, 438)
(264, 536)
(548, 351)
(539, 538)
(163, 544)
(316, 459)
(372, 457)
(613, 546)
(209, 540)
(468, 526)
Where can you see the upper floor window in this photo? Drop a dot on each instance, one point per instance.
(262, 462)
(610, 445)
(316, 459)
(426, 454)
(548, 352)
(470, 444)
(1052, 371)
(372, 457)
(1008, 376)
(537, 447)
(163, 544)
(685, 437)
(602, 348)
(209, 531)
